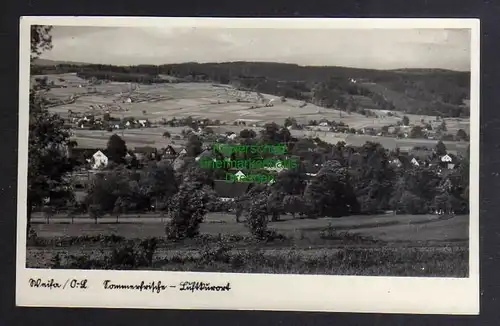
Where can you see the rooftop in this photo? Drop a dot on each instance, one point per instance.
(230, 190)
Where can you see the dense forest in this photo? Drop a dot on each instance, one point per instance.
(419, 91)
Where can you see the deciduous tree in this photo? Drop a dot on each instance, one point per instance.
(194, 146)
(187, 209)
(48, 141)
(440, 148)
(117, 149)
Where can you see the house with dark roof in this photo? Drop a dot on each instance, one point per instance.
(422, 157)
(395, 161)
(81, 154)
(169, 151)
(146, 153)
(229, 191)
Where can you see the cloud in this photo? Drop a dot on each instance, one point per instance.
(372, 48)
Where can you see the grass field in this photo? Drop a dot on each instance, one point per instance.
(212, 101)
(402, 245)
(384, 227)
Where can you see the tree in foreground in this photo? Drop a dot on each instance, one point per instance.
(294, 204)
(47, 159)
(41, 40)
(256, 219)
(187, 209)
(330, 192)
(47, 143)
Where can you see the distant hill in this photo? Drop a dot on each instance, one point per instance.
(419, 91)
(47, 62)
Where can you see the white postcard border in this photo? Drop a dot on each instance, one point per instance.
(255, 291)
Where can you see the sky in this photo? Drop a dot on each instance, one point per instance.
(359, 48)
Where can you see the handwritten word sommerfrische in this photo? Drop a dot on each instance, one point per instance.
(254, 149)
(155, 287)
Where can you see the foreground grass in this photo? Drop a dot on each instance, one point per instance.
(339, 254)
(448, 262)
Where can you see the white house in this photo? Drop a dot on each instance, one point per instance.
(128, 100)
(232, 136)
(324, 124)
(446, 158)
(449, 160)
(143, 122)
(99, 160)
(415, 162)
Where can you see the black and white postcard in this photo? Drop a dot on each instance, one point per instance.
(249, 164)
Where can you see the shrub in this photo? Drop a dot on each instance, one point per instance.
(220, 252)
(328, 232)
(103, 239)
(187, 209)
(128, 255)
(256, 219)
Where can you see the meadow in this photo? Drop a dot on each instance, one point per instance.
(388, 245)
(401, 245)
(205, 100)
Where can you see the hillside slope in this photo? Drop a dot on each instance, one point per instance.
(418, 91)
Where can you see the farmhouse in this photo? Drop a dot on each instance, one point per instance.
(99, 160)
(448, 161)
(422, 156)
(146, 153)
(169, 151)
(229, 191)
(415, 161)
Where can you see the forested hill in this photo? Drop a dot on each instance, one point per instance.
(419, 91)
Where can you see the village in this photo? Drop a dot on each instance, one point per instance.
(117, 172)
(94, 160)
